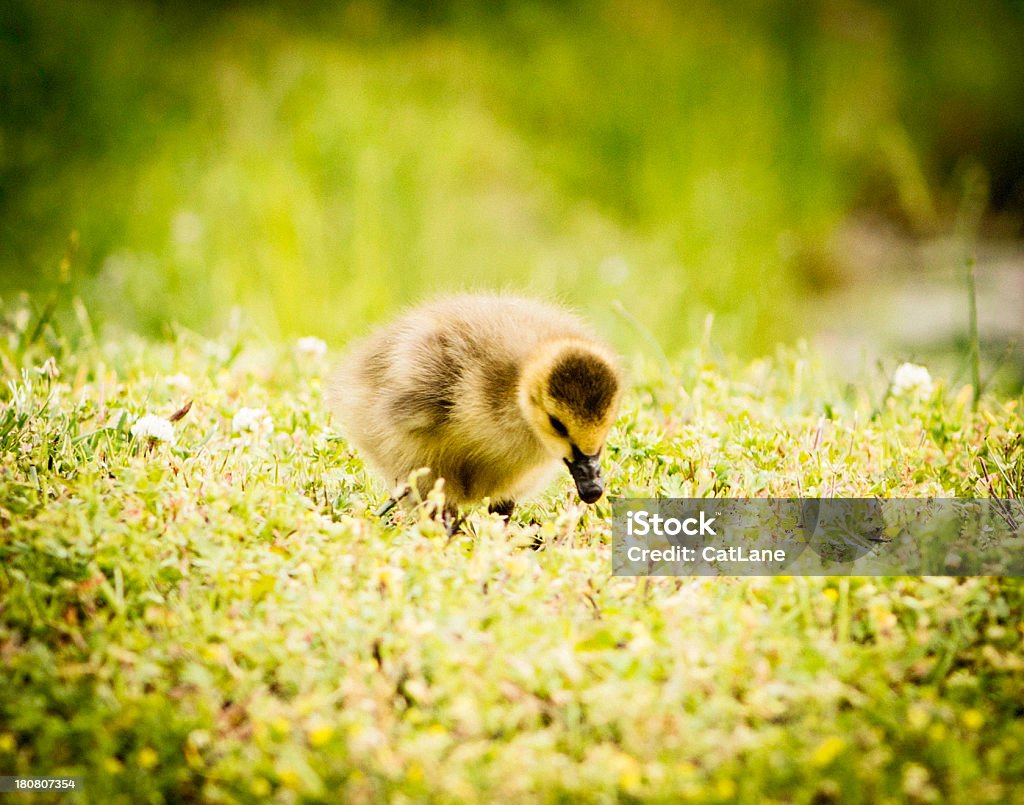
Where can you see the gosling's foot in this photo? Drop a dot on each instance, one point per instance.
(503, 508)
(386, 507)
(452, 521)
(392, 501)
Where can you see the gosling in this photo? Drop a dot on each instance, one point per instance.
(489, 392)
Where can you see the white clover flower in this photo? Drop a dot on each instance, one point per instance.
(179, 380)
(255, 420)
(911, 380)
(154, 428)
(311, 347)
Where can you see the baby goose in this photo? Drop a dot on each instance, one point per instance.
(489, 392)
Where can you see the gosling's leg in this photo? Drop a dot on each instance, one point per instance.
(504, 508)
(451, 519)
(392, 501)
(387, 506)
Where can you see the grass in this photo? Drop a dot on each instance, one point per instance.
(223, 619)
(301, 162)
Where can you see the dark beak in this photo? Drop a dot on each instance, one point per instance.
(586, 472)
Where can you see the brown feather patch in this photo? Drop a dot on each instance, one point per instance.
(583, 383)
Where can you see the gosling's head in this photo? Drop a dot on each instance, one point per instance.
(569, 392)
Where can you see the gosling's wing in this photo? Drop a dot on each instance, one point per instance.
(406, 377)
(430, 363)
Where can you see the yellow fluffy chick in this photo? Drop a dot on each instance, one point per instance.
(489, 392)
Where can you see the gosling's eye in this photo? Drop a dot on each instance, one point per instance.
(558, 426)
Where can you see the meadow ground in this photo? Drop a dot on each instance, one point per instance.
(218, 616)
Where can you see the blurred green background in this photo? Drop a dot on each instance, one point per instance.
(763, 161)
